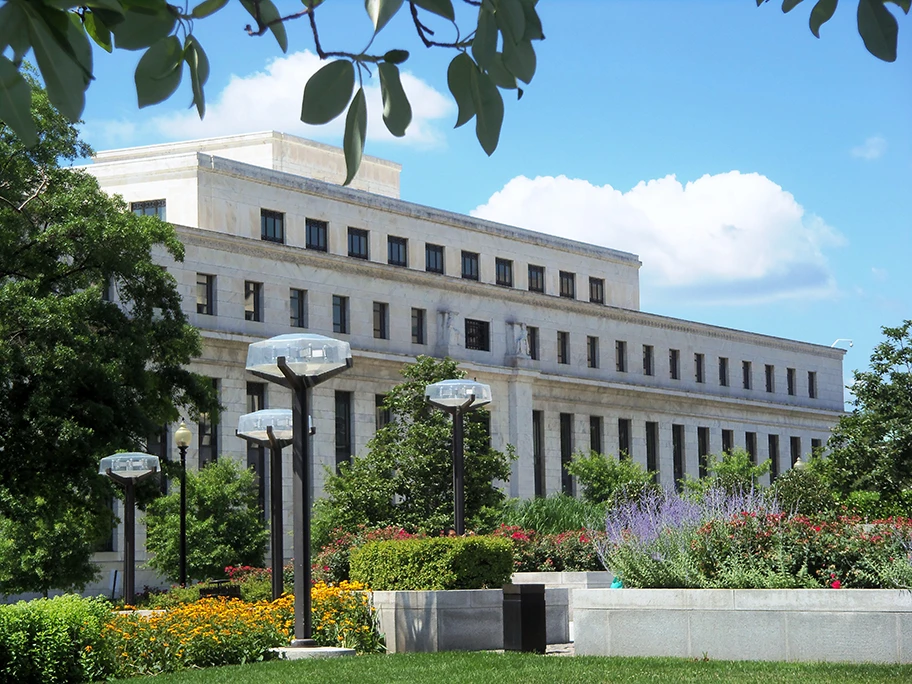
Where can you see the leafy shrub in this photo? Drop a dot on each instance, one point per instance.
(571, 551)
(805, 491)
(435, 563)
(344, 616)
(604, 478)
(331, 564)
(54, 640)
(733, 471)
(554, 514)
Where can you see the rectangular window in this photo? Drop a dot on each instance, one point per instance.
(358, 243)
(419, 326)
(674, 364)
(747, 380)
(652, 447)
(774, 457)
(538, 452)
(149, 208)
(816, 446)
(340, 314)
(648, 360)
(298, 302)
(812, 384)
(625, 426)
(382, 415)
(563, 347)
(723, 371)
(597, 290)
(532, 336)
(256, 453)
(703, 450)
(477, 335)
(770, 372)
(316, 234)
(677, 450)
(253, 301)
(595, 434)
(343, 428)
(397, 251)
(790, 381)
(433, 258)
(750, 446)
(536, 278)
(272, 226)
(470, 265)
(620, 356)
(566, 451)
(208, 434)
(157, 444)
(205, 294)
(592, 351)
(503, 272)
(381, 321)
(728, 441)
(568, 284)
(700, 368)
(795, 448)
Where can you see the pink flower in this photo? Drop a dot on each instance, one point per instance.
(835, 584)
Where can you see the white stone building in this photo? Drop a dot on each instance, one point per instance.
(275, 245)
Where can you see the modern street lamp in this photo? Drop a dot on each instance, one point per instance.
(300, 361)
(126, 470)
(182, 438)
(457, 397)
(273, 428)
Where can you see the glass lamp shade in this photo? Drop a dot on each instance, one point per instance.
(183, 435)
(453, 393)
(307, 355)
(253, 425)
(129, 464)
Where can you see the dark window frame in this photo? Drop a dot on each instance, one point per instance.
(536, 278)
(503, 272)
(674, 364)
(812, 384)
(534, 339)
(567, 280)
(699, 368)
(434, 258)
(341, 318)
(747, 375)
(477, 335)
(620, 356)
(343, 409)
(723, 371)
(316, 234)
(648, 360)
(592, 351)
(358, 243)
(253, 301)
(381, 321)
(207, 306)
(596, 290)
(397, 251)
(156, 207)
(419, 326)
(769, 371)
(563, 347)
(596, 425)
(272, 226)
(470, 265)
(297, 302)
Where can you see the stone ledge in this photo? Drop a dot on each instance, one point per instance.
(288, 653)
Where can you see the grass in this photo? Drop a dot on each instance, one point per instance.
(554, 514)
(493, 668)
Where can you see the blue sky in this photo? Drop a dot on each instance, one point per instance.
(761, 174)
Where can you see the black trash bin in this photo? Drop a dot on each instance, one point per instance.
(524, 618)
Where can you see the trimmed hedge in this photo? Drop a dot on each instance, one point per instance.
(435, 563)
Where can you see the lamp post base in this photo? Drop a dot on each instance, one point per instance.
(302, 643)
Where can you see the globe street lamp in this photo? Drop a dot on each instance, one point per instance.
(126, 470)
(182, 438)
(273, 428)
(457, 397)
(300, 361)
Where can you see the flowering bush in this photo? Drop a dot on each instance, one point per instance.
(331, 565)
(344, 616)
(567, 551)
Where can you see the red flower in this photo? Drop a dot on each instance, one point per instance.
(835, 584)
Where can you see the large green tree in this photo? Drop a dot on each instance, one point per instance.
(492, 42)
(81, 375)
(406, 477)
(871, 448)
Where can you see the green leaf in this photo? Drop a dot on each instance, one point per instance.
(204, 9)
(442, 8)
(500, 74)
(198, 65)
(489, 111)
(459, 80)
(905, 5)
(396, 56)
(511, 19)
(533, 23)
(823, 11)
(64, 77)
(109, 5)
(878, 29)
(327, 92)
(98, 31)
(269, 13)
(520, 60)
(381, 11)
(397, 112)
(789, 5)
(355, 134)
(159, 71)
(139, 30)
(15, 102)
(484, 44)
(14, 30)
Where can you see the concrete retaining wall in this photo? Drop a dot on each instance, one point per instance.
(834, 625)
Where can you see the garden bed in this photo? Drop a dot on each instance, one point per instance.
(831, 625)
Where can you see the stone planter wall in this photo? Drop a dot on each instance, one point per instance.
(457, 620)
(565, 580)
(834, 625)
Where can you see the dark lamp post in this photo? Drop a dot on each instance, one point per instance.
(126, 470)
(273, 428)
(300, 362)
(182, 438)
(457, 397)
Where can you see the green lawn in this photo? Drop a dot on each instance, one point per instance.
(491, 668)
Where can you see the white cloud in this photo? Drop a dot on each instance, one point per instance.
(727, 237)
(271, 100)
(872, 148)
